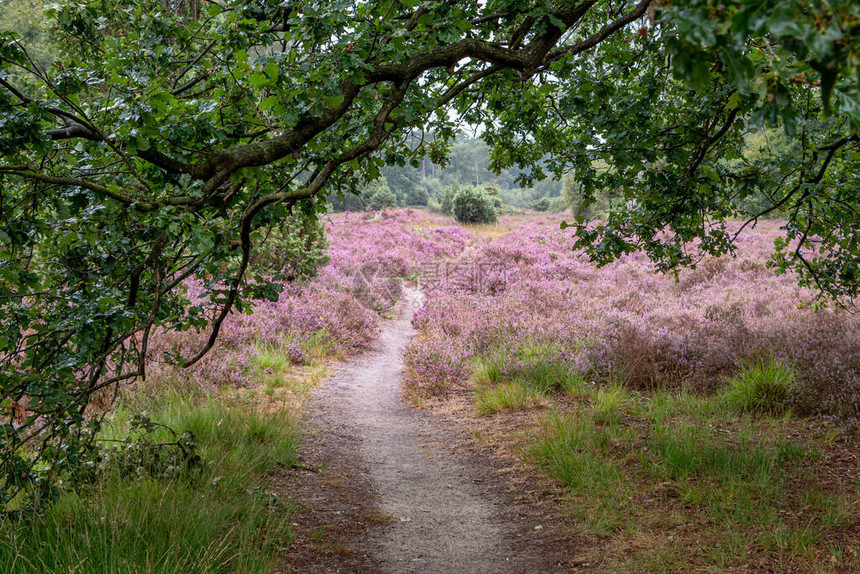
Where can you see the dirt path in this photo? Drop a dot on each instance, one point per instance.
(435, 510)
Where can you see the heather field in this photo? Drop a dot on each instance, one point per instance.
(332, 315)
(504, 297)
(419, 286)
(159, 509)
(698, 421)
(527, 298)
(702, 421)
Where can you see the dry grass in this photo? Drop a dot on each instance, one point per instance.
(286, 388)
(489, 230)
(479, 230)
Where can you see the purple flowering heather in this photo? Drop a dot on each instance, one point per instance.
(527, 296)
(626, 323)
(337, 309)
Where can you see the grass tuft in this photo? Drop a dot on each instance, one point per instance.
(540, 366)
(678, 460)
(488, 370)
(608, 404)
(150, 527)
(760, 388)
(507, 396)
(575, 452)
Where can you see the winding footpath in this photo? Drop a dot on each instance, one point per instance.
(441, 515)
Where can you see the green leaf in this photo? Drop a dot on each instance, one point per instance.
(334, 101)
(268, 103)
(259, 80)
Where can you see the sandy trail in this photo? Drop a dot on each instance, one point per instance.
(444, 515)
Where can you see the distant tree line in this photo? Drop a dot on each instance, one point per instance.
(431, 185)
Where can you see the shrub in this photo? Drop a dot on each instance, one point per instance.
(761, 388)
(541, 204)
(405, 182)
(378, 195)
(448, 199)
(557, 205)
(473, 205)
(142, 454)
(596, 206)
(434, 206)
(433, 366)
(493, 193)
(345, 201)
(295, 249)
(624, 324)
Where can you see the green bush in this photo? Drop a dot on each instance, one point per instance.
(448, 199)
(557, 205)
(374, 196)
(472, 205)
(595, 206)
(346, 201)
(293, 250)
(378, 196)
(405, 182)
(541, 204)
(495, 195)
(761, 388)
(434, 206)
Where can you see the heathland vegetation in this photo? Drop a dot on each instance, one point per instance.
(171, 284)
(698, 420)
(182, 475)
(690, 420)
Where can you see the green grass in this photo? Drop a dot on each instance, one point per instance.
(835, 512)
(760, 388)
(269, 359)
(610, 403)
(639, 467)
(217, 520)
(636, 466)
(538, 366)
(488, 370)
(684, 451)
(318, 347)
(730, 548)
(281, 380)
(524, 377)
(578, 453)
(241, 441)
(737, 483)
(149, 526)
(794, 540)
(662, 406)
(507, 396)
